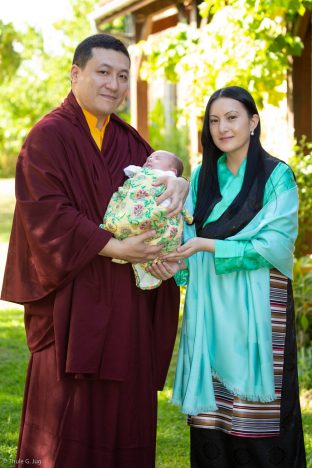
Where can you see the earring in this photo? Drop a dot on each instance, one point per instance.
(252, 132)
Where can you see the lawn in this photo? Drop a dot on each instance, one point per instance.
(172, 440)
(7, 202)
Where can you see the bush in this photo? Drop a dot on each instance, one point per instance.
(305, 368)
(7, 165)
(170, 138)
(301, 163)
(302, 285)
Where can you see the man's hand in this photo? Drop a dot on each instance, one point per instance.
(133, 249)
(176, 189)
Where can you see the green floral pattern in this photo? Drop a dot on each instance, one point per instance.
(133, 210)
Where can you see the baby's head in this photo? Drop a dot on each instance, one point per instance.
(165, 161)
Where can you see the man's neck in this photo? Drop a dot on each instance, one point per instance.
(98, 122)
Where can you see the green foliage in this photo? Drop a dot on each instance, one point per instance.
(302, 285)
(17, 91)
(7, 203)
(301, 163)
(172, 137)
(117, 26)
(10, 59)
(305, 367)
(40, 80)
(255, 52)
(307, 427)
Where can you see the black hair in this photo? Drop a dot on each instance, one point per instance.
(208, 184)
(83, 52)
(178, 163)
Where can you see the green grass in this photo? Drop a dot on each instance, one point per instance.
(172, 430)
(7, 202)
(13, 363)
(173, 433)
(306, 404)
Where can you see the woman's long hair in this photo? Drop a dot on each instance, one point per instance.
(208, 193)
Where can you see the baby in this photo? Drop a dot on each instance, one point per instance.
(133, 210)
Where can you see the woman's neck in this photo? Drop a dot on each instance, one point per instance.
(234, 161)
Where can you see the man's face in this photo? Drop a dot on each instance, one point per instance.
(102, 84)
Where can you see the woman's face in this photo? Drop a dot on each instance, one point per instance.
(230, 126)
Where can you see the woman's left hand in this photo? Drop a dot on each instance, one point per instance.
(164, 270)
(196, 244)
(176, 189)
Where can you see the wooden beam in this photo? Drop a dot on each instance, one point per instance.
(164, 23)
(302, 92)
(116, 8)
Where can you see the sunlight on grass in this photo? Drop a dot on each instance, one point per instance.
(165, 395)
(13, 362)
(7, 399)
(7, 203)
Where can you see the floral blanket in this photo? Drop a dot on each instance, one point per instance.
(133, 210)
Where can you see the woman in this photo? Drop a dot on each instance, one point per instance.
(237, 371)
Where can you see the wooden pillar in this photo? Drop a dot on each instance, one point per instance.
(138, 87)
(138, 99)
(188, 12)
(302, 83)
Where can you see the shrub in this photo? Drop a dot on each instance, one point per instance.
(301, 163)
(305, 368)
(169, 137)
(302, 285)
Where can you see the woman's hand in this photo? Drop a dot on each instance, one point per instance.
(176, 189)
(192, 246)
(166, 270)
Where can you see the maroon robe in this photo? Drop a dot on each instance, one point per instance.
(100, 346)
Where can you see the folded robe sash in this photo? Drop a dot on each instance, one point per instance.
(226, 329)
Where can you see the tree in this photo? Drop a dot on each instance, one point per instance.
(10, 59)
(239, 41)
(39, 79)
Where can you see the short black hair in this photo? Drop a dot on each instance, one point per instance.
(83, 52)
(178, 164)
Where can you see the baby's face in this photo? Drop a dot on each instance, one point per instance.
(160, 160)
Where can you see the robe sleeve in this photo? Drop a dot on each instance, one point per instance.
(51, 239)
(236, 255)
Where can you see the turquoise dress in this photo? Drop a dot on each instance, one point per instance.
(232, 374)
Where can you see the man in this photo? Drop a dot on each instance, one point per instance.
(100, 347)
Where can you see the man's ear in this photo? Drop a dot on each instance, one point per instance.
(74, 72)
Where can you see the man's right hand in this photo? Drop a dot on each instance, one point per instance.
(133, 249)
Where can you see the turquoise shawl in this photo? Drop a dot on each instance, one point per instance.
(226, 330)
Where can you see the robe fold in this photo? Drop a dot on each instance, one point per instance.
(97, 342)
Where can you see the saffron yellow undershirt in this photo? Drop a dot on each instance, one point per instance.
(98, 135)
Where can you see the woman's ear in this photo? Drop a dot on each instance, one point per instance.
(254, 122)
